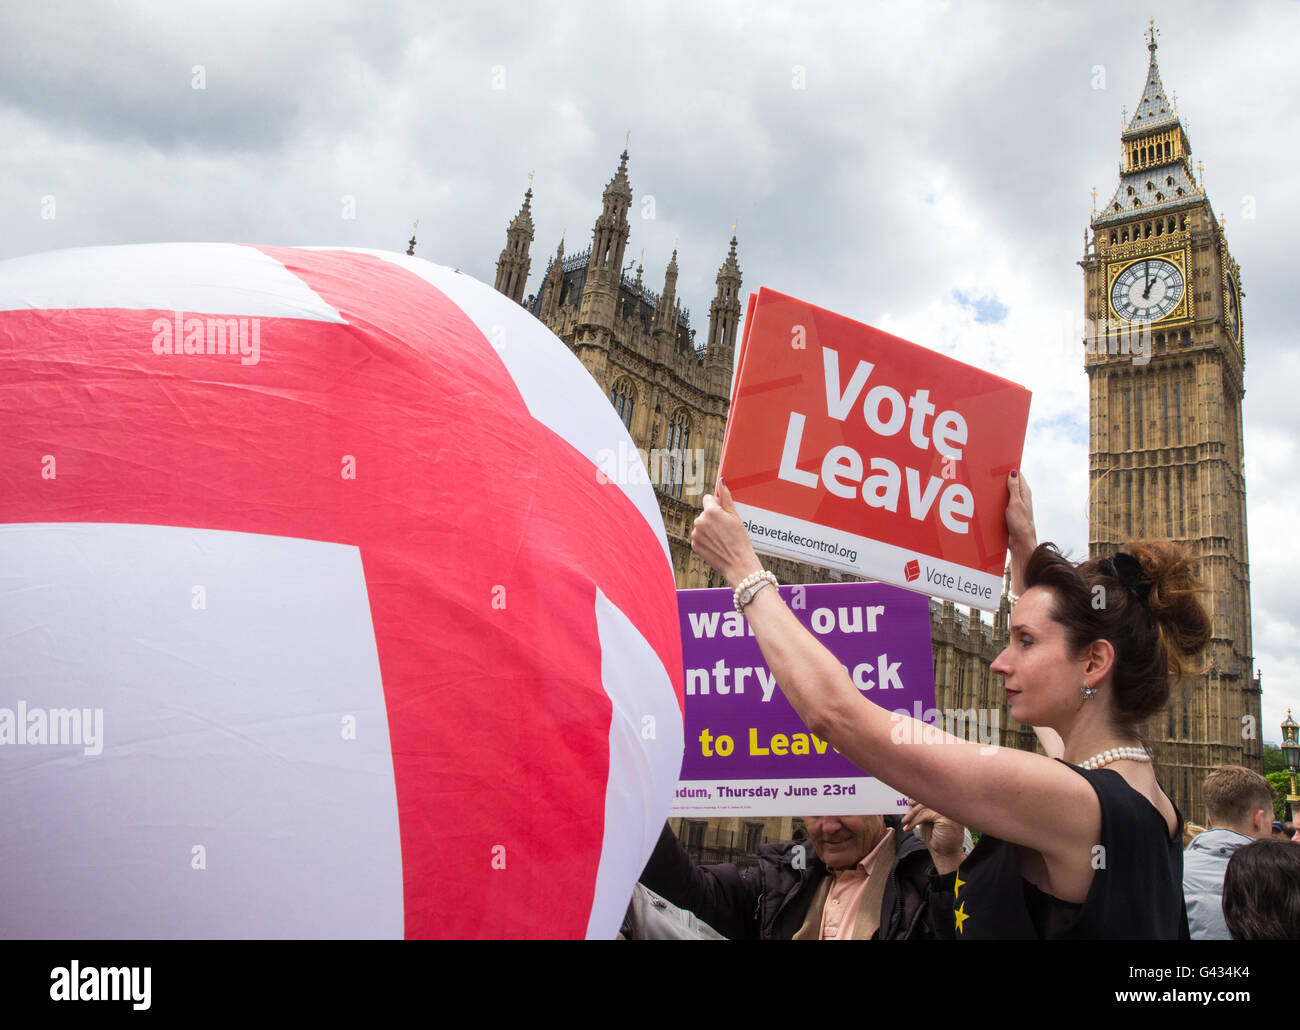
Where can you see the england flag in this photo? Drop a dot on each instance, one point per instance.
(318, 616)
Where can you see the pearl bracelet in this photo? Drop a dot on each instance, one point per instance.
(749, 586)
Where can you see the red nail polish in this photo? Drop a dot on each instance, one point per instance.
(1014, 473)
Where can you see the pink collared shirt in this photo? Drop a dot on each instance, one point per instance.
(845, 897)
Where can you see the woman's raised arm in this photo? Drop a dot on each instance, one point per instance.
(1020, 797)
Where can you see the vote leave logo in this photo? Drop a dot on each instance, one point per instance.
(912, 570)
(351, 670)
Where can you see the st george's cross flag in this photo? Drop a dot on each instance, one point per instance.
(319, 616)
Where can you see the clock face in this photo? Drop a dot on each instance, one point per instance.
(1232, 316)
(1147, 290)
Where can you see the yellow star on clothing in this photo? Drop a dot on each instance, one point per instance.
(958, 885)
(961, 916)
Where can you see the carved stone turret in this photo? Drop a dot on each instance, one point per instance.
(513, 264)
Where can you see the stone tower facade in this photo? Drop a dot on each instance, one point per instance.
(671, 391)
(1165, 358)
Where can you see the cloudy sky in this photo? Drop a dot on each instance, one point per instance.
(922, 167)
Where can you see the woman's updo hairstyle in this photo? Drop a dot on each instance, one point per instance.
(1145, 601)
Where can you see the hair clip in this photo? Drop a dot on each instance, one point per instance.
(1128, 570)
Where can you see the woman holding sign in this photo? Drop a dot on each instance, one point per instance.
(1081, 845)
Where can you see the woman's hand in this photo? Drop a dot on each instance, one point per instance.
(720, 538)
(942, 836)
(1022, 537)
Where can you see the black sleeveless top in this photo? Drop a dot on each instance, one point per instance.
(1136, 892)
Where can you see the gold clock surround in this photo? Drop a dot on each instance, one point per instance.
(1184, 311)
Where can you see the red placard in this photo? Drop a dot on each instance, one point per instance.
(859, 451)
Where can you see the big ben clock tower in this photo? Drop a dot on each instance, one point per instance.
(1165, 357)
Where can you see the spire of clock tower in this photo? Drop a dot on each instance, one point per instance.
(1155, 158)
(1154, 108)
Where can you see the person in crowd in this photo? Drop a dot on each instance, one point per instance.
(1240, 806)
(652, 918)
(1261, 891)
(864, 877)
(1084, 846)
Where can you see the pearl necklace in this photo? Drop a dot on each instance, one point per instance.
(1115, 754)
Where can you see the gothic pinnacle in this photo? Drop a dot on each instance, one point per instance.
(525, 217)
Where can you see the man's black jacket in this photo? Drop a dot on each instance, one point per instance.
(770, 901)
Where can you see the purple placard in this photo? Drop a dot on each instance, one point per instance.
(738, 723)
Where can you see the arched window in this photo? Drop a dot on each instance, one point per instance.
(1169, 501)
(1165, 419)
(1182, 506)
(1137, 396)
(1178, 411)
(679, 442)
(623, 396)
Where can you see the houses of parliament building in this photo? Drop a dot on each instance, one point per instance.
(1165, 429)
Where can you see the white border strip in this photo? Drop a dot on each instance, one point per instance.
(858, 795)
(874, 559)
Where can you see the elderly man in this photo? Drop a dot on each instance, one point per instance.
(1239, 803)
(865, 877)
